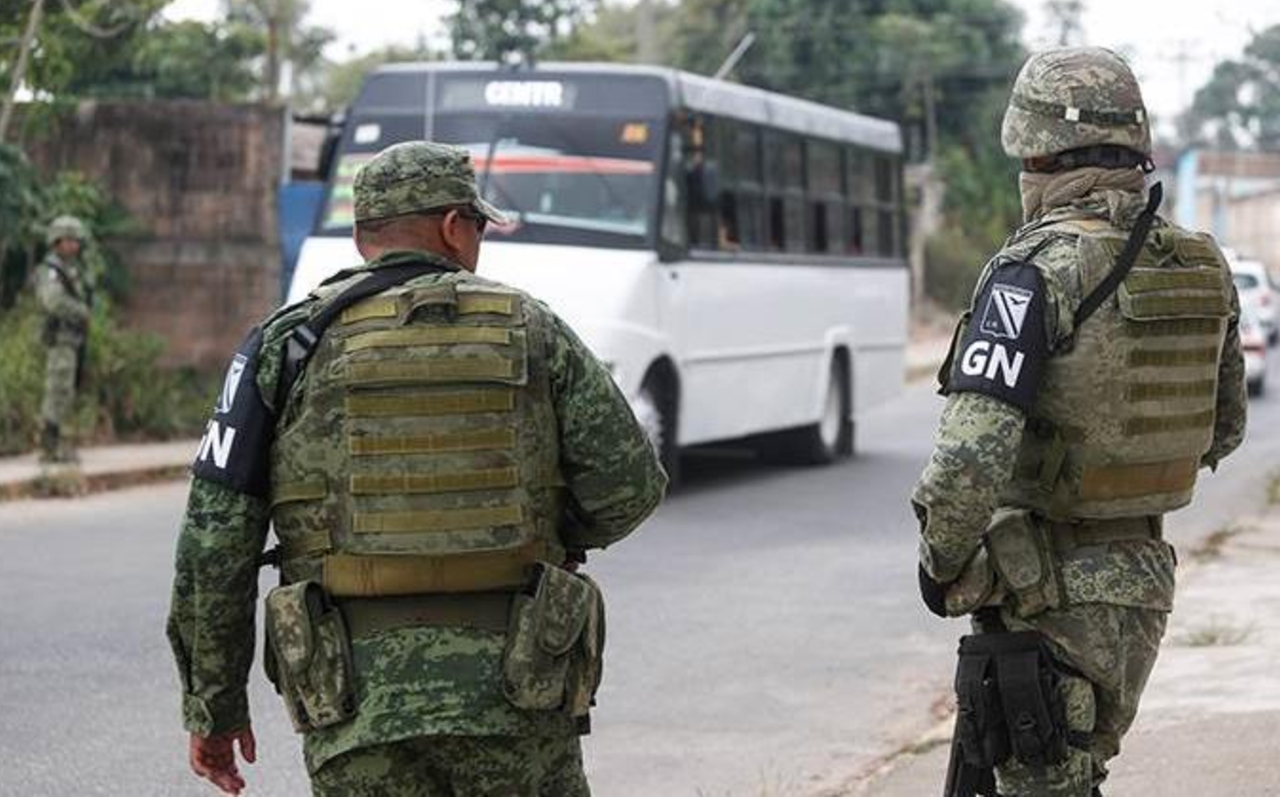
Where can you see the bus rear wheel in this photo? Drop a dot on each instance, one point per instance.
(826, 441)
(657, 407)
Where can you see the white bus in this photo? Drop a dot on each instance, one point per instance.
(734, 255)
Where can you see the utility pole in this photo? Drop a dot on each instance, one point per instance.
(20, 66)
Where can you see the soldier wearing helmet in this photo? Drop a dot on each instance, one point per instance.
(1097, 370)
(66, 298)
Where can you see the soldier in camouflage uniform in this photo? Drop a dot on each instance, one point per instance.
(1078, 413)
(65, 298)
(434, 464)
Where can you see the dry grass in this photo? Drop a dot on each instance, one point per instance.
(1217, 632)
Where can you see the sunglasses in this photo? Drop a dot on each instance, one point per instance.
(481, 222)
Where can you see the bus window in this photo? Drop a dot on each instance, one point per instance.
(825, 183)
(579, 178)
(860, 196)
(741, 205)
(777, 225)
(785, 178)
(750, 219)
(855, 244)
(818, 240)
(793, 206)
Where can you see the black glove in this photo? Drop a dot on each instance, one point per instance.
(933, 593)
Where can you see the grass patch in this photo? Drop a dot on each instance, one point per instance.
(1217, 632)
(1211, 548)
(1273, 489)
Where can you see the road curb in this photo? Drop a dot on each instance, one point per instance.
(73, 483)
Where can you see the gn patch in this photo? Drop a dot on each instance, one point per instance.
(237, 441)
(1002, 352)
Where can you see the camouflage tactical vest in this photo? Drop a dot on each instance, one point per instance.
(419, 454)
(1125, 414)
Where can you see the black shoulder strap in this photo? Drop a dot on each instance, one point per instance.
(1127, 256)
(65, 279)
(303, 339)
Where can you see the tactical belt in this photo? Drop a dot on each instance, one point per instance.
(349, 575)
(1068, 536)
(483, 610)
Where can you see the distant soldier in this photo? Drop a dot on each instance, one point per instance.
(435, 452)
(1096, 372)
(65, 298)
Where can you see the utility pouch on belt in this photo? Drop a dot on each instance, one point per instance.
(555, 643)
(308, 656)
(1024, 559)
(1008, 702)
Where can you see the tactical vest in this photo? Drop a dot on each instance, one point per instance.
(1125, 414)
(419, 453)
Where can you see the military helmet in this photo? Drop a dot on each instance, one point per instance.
(1073, 97)
(65, 227)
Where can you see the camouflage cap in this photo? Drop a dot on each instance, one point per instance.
(65, 227)
(1074, 97)
(417, 176)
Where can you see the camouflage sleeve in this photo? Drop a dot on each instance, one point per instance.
(613, 475)
(973, 459)
(1232, 405)
(56, 301)
(211, 615)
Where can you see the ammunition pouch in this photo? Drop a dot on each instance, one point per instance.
(308, 656)
(555, 643)
(56, 327)
(1008, 701)
(1024, 557)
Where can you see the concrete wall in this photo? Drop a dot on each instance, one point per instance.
(201, 180)
(1253, 224)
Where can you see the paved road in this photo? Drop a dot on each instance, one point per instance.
(765, 634)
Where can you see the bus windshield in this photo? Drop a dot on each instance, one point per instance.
(563, 178)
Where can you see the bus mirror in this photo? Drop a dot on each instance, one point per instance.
(703, 183)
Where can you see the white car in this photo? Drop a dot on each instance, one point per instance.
(1257, 293)
(1254, 344)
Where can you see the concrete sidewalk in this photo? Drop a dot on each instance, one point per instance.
(1209, 717)
(925, 355)
(100, 469)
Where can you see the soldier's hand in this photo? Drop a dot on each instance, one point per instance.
(214, 758)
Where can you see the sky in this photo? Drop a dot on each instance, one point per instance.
(1173, 44)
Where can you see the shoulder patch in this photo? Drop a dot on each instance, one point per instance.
(236, 446)
(1003, 351)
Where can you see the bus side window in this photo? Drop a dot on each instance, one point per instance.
(825, 186)
(855, 245)
(730, 237)
(860, 194)
(777, 225)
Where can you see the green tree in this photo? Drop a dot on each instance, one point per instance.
(1239, 106)
(632, 32)
(286, 37)
(506, 30)
(335, 83)
(190, 59)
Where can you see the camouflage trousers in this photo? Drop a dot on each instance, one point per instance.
(1113, 648)
(449, 766)
(59, 383)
